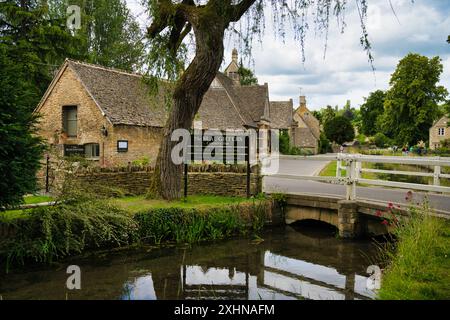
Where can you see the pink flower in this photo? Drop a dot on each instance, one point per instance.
(409, 196)
(390, 205)
(379, 213)
(385, 222)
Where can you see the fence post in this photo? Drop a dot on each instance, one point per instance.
(338, 169)
(358, 169)
(351, 182)
(437, 173)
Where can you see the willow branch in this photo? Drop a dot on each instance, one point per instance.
(239, 9)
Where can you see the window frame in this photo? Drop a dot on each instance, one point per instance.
(95, 151)
(122, 150)
(65, 120)
(441, 132)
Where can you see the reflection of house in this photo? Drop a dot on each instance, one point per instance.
(306, 133)
(439, 132)
(108, 115)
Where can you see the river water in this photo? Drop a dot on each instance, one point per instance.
(305, 262)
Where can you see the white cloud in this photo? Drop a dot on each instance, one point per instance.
(345, 73)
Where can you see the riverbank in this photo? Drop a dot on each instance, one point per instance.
(47, 234)
(291, 263)
(419, 265)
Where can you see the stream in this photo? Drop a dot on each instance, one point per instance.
(302, 262)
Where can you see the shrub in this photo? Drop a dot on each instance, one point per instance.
(144, 161)
(339, 130)
(361, 139)
(183, 225)
(381, 141)
(324, 144)
(51, 233)
(418, 260)
(285, 142)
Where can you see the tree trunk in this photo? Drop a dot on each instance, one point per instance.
(187, 98)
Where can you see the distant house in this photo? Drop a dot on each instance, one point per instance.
(439, 132)
(109, 117)
(306, 131)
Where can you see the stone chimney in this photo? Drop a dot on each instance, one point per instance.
(302, 101)
(235, 56)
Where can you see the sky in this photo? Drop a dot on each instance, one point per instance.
(344, 73)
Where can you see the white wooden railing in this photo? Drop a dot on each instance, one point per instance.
(352, 164)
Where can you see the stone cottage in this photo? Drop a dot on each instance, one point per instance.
(108, 116)
(306, 131)
(439, 132)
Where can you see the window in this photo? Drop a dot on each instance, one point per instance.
(441, 131)
(70, 120)
(92, 151)
(122, 146)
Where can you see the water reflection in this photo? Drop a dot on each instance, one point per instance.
(288, 265)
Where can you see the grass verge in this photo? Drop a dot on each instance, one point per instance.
(46, 234)
(420, 263)
(140, 203)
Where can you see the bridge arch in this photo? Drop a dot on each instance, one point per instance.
(299, 214)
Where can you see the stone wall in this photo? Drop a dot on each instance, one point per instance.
(211, 183)
(143, 142)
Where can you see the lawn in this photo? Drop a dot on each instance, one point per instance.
(13, 214)
(140, 203)
(37, 199)
(330, 170)
(19, 213)
(419, 268)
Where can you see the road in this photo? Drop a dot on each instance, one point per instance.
(311, 168)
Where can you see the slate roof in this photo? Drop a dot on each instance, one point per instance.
(308, 118)
(125, 99)
(442, 122)
(281, 114)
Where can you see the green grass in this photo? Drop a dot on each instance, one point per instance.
(140, 203)
(49, 233)
(37, 199)
(330, 170)
(19, 213)
(13, 214)
(420, 264)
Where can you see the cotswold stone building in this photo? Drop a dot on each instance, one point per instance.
(439, 132)
(306, 131)
(109, 117)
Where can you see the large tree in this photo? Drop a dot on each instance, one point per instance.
(204, 24)
(35, 41)
(109, 34)
(411, 104)
(371, 110)
(20, 150)
(247, 77)
(32, 46)
(339, 130)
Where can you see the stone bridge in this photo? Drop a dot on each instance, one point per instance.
(353, 218)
